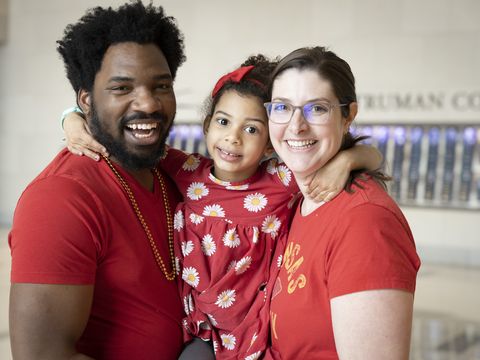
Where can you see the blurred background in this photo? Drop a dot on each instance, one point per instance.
(418, 81)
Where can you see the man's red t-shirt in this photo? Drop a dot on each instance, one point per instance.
(74, 225)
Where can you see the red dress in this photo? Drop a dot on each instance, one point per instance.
(229, 241)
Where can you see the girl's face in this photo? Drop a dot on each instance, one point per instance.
(306, 147)
(237, 136)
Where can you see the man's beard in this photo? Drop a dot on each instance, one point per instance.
(117, 148)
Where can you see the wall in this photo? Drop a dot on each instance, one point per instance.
(393, 46)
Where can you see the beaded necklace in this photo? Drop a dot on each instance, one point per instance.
(169, 275)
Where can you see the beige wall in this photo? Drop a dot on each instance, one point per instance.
(392, 46)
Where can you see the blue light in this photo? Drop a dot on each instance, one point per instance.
(434, 135)
(469, 135)
(400, 135)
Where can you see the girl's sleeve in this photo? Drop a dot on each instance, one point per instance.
(283, 175)
(173, 161)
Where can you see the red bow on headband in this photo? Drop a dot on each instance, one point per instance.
(234, 76)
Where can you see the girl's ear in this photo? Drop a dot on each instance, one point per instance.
(353, 107)
(206, 124)
(84, 101)
(269, 151)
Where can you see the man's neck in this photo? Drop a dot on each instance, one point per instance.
(144, 177)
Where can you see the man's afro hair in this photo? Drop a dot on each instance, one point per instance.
(84, 44)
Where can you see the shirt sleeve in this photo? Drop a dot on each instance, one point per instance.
(56, 237)
(372, 249)
(175, 160)
(283, 175)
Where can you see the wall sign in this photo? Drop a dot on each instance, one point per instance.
(435, 106)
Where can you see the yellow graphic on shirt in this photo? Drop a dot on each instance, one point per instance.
(273, 324)
(292, 264)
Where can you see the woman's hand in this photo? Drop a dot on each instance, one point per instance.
(79, 139)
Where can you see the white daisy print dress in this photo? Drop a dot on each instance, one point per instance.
(228, 239)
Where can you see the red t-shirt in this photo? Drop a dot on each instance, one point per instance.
(356, 242)
(74, 225)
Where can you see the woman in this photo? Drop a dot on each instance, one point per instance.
(346, 284)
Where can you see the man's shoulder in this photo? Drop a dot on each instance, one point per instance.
(78, 169)
(67, 175)
(68, 189)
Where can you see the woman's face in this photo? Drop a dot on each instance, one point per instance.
(306, 147)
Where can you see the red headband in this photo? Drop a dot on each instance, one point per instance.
(235, 76)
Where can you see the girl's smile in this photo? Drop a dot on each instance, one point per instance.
(227, 155)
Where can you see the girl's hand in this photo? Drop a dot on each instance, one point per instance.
(79, 139)
(329, 180)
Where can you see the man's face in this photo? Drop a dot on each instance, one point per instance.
(133, 104)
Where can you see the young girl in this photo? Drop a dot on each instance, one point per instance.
(232, 227)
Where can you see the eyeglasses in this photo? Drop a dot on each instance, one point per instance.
(316, 113)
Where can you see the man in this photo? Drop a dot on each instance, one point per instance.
(93, 271)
